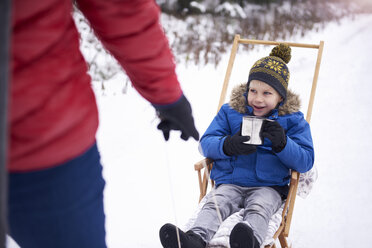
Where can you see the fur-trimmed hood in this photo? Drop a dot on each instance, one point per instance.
(238, 101)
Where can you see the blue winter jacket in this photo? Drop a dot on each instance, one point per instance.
(264, 167)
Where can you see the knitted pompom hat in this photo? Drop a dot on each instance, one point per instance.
(273, 69)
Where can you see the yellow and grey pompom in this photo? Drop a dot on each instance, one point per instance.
(282, 51)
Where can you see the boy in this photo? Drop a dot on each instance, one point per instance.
(253, 177)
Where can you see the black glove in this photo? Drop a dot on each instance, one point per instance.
(234, 145)
(274, 132)
(177, 116)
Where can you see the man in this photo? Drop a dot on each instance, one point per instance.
(55, 179)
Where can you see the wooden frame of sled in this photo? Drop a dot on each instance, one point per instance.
(206, 164)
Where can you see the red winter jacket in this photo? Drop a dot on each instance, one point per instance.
(53, 112)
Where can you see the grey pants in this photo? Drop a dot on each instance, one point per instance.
(259, 204)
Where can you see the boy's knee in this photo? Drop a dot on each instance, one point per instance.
(257, 208)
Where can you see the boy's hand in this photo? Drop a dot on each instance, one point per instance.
(274, 132)
(234, 145)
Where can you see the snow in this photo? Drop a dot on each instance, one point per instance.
(139, 195)
(233, 10)
(151, 182)
(199, 6)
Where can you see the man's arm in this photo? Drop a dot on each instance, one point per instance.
(131, 32)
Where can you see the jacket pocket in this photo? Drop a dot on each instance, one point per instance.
(270, 169)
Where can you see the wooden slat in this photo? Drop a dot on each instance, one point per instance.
(279, 231)
(294, 184)
(205, 185)
(291, 194)
(263, 42)
(315, 82)
(234, 49)
(200, 185)
(202, 163)
(283, 241)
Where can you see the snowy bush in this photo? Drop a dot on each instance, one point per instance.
(204, 37)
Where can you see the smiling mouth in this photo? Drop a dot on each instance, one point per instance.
(258, 108)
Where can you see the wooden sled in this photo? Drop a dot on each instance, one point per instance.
(204, 166)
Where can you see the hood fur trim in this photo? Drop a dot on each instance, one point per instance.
(239, 103)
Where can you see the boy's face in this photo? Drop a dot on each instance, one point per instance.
(262, 97)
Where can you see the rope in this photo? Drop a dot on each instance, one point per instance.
(213, 193)
(170, 182)
(214, 198)
(171, 192)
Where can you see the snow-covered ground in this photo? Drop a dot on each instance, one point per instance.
(151, 182)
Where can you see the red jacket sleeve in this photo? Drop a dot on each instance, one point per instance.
(131, 31)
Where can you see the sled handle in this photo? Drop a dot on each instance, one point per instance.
(315, 82)
(265, 42)
(234, 49)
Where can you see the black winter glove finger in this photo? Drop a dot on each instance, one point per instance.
(234, 145)
(165, 127)
(276, 134)
(177, 116)
(184, 136)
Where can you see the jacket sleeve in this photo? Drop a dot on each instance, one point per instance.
(212, 141)
(298, 153)
(131, 31)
